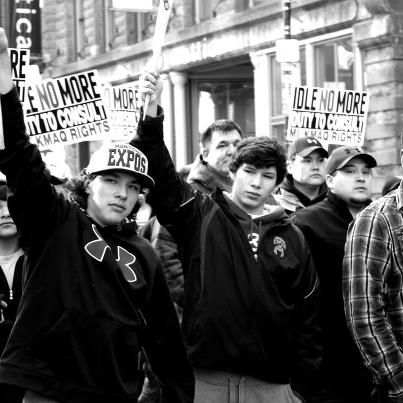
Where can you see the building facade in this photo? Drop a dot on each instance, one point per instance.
(219, 60)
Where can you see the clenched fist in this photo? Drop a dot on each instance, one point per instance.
(3, 41)
(6, 83)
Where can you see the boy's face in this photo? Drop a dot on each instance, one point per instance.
(252, 186)
(112, 197)
(8, 229)
(309, 170)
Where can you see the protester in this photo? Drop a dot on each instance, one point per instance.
(211, 167)
(304, 184)
(95, 293)
(11, 273)
(209, 171)
(251, 292)
(342, 378)
(373, 292)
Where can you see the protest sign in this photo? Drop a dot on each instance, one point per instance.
(332, 116)
(19, 59)
(66, 110)
(161, 25)
(123, 104)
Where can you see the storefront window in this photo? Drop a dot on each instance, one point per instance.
(255, 3)
(79, 37)
(331, 64)
(203, 9)
(334, 64)
(125, 27)
(276, 86)
(227, 100)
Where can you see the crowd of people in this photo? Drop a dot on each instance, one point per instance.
(255, 275)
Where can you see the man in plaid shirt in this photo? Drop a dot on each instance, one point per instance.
(373, 291)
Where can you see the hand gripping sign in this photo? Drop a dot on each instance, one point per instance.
(164, 11)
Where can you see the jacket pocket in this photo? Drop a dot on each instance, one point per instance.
(91, 351)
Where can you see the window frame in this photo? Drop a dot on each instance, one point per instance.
(309, 44)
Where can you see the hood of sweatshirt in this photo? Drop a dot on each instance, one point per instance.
(288, 185)
(255, 226)
(207, 179)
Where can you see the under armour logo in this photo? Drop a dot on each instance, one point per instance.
(166, 5)
(125, 259)
(280, 246)
(97, 249)
(314, 141)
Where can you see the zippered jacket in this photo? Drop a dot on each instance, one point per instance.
(93, 296)
(251, 291)
(325, 226)
(11, 298)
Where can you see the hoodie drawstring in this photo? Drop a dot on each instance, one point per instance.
(236, 390)
(254, 241)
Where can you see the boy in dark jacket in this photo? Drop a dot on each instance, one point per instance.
(251, 291)
(94, 292)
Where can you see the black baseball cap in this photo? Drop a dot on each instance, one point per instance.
(341, 156)
(303, 146)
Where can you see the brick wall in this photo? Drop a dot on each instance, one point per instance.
(380, 40)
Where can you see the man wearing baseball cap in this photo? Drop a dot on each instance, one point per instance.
(343, 377)
(95, 294)
(304, 184)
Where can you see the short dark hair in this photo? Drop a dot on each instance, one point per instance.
(222, 125)
(261, 152)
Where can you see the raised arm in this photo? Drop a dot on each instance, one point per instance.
(6, 82)
(170, 192)
(33, 198)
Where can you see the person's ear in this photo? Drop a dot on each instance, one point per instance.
(205, 153)
(231, 175)
(87, 186)
(289, 165)
(329, 181)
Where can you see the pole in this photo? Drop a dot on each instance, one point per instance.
(287, 18)
(287, 35)
(161, 25)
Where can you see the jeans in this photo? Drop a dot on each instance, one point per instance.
(224, 387)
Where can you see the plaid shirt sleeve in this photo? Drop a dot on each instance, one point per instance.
(368, 281)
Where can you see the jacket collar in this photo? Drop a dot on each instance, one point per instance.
(288, 184)
(399, 197)
(341, 206)
(207, 177)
